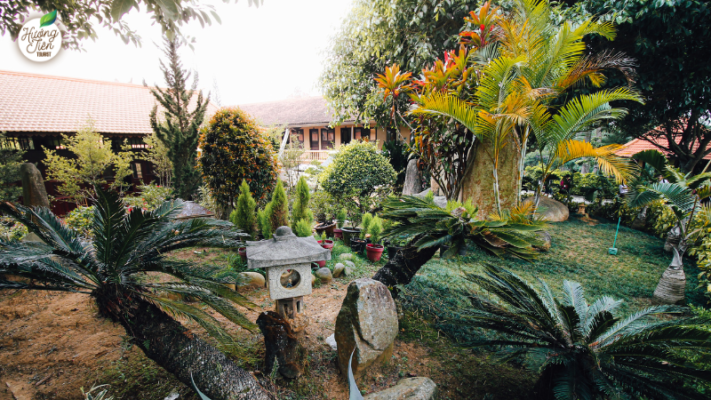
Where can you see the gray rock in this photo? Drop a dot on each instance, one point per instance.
(253, 279)
(192, 210)
(350, 264)
(34, 194)
(331, 342)
(546, 238)
(348, 271)
(419, 388)
(324, 274)
(367, 322)
(345, 256)
(412, 183)
(338, 270)
(551, 210)
(440, 201)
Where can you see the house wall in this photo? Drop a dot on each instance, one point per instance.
(379, 133)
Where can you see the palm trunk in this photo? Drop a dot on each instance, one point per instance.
(672, 285)
(180, 352)
(402, 268)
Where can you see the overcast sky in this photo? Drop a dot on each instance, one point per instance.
(255, 55)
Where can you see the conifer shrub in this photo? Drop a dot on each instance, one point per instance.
(233, 150)
(278, 208)
(301, 209)
(303, 228)
(244, 216)
(367, 220)
(265, 226)
(376, 230)
(341, 218)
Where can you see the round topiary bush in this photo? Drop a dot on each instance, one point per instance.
(358, 171)
(234, 149)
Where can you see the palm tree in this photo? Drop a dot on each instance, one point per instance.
(586, 351)
(111, 270)
(682, 194)
(430, 227)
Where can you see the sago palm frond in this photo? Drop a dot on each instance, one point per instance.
(680, 198)
(610, 163)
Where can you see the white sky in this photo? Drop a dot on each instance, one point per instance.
(255, 55)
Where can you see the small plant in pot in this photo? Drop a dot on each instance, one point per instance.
(325, 243)
(354, 217)
(358, 242)
(322, 206)
(340, 221)
(374, 250)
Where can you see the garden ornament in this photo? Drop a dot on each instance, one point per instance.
(287, 259)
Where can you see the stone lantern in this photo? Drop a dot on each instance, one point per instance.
(287, 259)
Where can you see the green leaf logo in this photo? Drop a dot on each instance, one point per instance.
(48, 19)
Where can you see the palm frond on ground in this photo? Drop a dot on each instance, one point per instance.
(587, 351)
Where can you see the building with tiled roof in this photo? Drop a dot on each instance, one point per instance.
(36, 110)
(636, 145)
(309, 120)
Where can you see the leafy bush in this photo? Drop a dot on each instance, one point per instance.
(233, 150)
(11, 230)
(150, 197)
(244, 216)
(357, 171)
(81, 220)
(323, 206)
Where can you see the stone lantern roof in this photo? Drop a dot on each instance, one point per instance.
(284, 249)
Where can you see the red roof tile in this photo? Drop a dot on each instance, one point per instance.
(43, 103)
(635, 146)
(301, 111)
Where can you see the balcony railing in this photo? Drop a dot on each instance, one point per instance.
(314, 155)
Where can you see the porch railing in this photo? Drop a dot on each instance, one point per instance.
(314, 155)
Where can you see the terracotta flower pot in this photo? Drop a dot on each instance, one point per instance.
(374, 251)
(242, 253)
(320, 264)
(337, 233)
(326, 244)
(357, 245)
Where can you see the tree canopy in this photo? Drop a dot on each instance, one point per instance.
(670, 41)
(377, 33)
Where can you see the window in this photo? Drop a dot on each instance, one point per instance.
(296, 133)
(361, 134)
(137, 173)
(56, 143)
(345, 135)
(328, 138)
(15, 143)
(392, 134)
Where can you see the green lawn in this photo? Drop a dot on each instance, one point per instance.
(578, 253)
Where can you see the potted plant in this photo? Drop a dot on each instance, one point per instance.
(354, 217)
(242, 253)
(325, 243)
(322, 204)
(374, 250)
(340, 221)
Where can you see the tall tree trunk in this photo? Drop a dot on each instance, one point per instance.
(403, 267)
(672, 285)
(179, 351)
(479, 182)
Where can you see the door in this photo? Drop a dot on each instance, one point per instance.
(328, 137)
(313, 134)
(345, 135)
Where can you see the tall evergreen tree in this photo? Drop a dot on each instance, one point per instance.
(180, 129)
(279, 208)
(244, 216)
(301, 205)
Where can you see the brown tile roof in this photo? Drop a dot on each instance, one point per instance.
(43, 103)
(636, 145)
(295, 112)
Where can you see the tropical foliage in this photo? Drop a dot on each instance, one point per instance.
(583, 350)
(157, 154)
(176, 126)
(150, 197)
(232, 138)
(10, 161)
(94, 156)
(356, 173)
(81, 220)
(111, 268)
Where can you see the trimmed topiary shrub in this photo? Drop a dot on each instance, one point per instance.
(233, 150)
(356, 172)
(301, 209)
(265, 226)
(303, 228)
(278, 210)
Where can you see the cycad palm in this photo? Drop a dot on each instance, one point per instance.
(111, 268)
(682, 194)
(586, 351)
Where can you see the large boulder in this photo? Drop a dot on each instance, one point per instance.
(324, 274)
(440, 201)
(420, 388)
(412, 183)
(34, 194)
(367, 323)
(551, 210)
(338, 270)
(253, 279)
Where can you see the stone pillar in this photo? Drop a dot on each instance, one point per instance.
(412, 183)
(34, 194)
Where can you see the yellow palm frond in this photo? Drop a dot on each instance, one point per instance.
(610, 164)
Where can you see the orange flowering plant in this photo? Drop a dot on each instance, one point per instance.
(233, 150)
